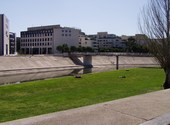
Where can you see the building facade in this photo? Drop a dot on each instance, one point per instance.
(66, 35)
(106, 40)
(4, 35)
(85, 41)
(103, 40)
(45, 39)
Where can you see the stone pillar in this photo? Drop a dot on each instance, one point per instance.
(87, 61)
(117, 62)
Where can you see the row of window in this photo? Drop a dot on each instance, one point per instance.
(105, 43)
(66, 34)
(36, 44)
(36, 35)
(108, 40)
(36, 40)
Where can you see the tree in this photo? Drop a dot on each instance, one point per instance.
(60, 48)
(73, 49)
(63, 48)
(130, 44)
(155, 23)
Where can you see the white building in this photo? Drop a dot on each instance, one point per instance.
(104, 40)
(66, 35)
(4, 35)
(45, 39)
(85, 41)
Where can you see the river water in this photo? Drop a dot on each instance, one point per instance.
(19, 78)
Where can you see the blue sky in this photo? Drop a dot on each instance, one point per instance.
(118, 17)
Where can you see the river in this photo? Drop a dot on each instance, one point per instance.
(19, 78)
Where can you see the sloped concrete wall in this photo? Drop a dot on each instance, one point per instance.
(31, 62)
(40, 62)
(123, 60)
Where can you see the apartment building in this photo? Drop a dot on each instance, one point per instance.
(106, 40)
(45, 39)
(85, 41)
(4, 35)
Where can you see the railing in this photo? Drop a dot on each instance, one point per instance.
(106, 54)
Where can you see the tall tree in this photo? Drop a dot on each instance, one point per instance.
(155, 23)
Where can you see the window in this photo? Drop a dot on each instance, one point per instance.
(62, 34)
(65, 34)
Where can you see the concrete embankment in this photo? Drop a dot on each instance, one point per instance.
(123, 60)
(30, 64)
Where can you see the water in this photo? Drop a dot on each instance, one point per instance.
(19, 78)
(22, 77)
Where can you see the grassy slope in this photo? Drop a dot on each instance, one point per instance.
(39, 97)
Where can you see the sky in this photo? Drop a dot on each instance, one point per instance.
(118, 17)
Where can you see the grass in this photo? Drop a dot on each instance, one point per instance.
(45, 96)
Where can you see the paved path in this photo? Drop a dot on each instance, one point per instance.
(147, 109)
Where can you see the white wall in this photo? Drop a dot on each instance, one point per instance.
(69, 36)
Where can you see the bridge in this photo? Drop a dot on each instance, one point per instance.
(105, 54)
(87, 60)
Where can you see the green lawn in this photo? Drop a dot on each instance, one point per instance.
(45, 96)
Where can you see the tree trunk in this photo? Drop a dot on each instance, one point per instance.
(167, 79)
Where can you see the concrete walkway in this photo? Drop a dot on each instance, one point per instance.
(147, 109)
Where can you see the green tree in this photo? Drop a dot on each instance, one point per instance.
(63, 48)
(73, 49)
(60, 48)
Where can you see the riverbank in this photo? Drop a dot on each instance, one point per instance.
(16, 69)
